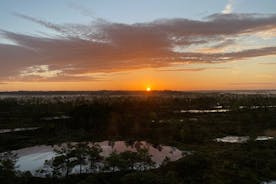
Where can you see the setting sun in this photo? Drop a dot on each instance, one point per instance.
(148, 89)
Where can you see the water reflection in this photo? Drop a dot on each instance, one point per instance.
(205, 111)
(220, 109)
(17, 129)
(271, 182)
(233, 139)
(33, 158)
(242, 139)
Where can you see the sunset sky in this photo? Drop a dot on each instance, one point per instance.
(137, 44)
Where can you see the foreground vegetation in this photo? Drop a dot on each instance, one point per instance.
(157, 118)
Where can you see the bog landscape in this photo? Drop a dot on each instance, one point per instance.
(138, 92)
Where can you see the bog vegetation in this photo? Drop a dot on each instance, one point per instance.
(157, 118)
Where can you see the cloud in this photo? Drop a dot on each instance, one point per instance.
(192, 69)
(41, 71)
(41, 22)
(252, 83)
(82, 9)
(228, 8)
(268, 63)
(80, 51)
(183, 70)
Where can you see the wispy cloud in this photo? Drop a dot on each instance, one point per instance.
(268, 63)
(192, 69)
(228, 8)
(106, 47)
(44, 23)
(82, 9)
(183, 70)
(252, 83)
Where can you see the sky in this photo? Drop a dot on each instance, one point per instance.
(138, 44)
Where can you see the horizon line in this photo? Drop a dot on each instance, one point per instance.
(119, 90)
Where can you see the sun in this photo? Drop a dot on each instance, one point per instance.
(148, 89)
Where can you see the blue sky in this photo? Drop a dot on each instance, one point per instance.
(125, 11)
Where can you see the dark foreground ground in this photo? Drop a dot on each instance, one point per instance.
(157, 117)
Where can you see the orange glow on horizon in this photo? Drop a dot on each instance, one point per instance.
(250, 75)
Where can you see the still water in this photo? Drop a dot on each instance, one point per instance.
(33, 158)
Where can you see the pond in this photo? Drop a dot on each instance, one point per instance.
(197, 111)
(220, 109)
(271, 182)
(63, 117)
(2, 131)
(233, 139)
(241, 139)
(33, 158)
